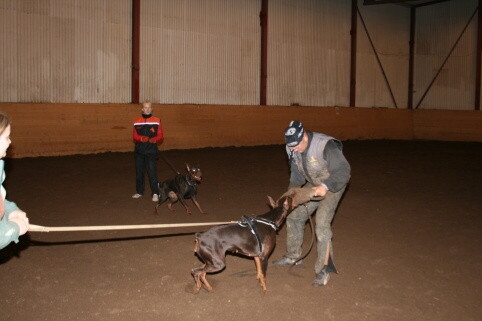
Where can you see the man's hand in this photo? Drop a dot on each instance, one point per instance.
(19, 218)
(320, 190)
(152, 140)
(144, 139)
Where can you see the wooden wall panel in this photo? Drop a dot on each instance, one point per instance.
(448, 125)
(67, 129)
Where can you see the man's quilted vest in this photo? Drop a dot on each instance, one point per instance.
(315, 170)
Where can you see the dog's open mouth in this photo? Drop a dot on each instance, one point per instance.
(196, 174)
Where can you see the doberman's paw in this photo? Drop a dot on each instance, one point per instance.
(192, 289)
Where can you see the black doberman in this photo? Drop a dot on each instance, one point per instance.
(179, 188)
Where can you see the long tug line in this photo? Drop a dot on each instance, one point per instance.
(39, 228)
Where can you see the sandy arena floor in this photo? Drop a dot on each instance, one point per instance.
(407, 239)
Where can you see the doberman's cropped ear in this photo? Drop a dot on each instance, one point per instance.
(272, 203)
(188, 167)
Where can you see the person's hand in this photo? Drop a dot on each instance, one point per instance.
(152, 140)
(144, 139)
(19, 218)
(320, 190)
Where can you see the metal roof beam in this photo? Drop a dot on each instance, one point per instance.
(370, 2)
(406, 3)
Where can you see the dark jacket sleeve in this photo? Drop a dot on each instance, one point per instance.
(338, 167)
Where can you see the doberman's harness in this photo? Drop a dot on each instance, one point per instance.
(249, 221)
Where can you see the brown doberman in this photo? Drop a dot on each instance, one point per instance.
(252, 237)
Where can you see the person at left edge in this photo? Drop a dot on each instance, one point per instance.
(13, 221)
(147, 133)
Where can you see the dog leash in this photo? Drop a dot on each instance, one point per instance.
(168, 163)
(39, 228)
(312, 239)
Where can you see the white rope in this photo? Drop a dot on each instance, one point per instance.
(39, 228)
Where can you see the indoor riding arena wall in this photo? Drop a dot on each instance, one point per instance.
(46, 129)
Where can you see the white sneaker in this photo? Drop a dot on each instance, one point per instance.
(155, 198)
(136, 195)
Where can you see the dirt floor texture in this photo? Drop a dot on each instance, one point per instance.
(407, 239)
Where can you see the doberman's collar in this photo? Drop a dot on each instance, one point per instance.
(188, 180)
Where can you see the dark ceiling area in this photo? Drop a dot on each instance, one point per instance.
(405, 3)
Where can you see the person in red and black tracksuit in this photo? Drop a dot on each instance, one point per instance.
(147, 133)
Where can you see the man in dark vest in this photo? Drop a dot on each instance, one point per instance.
(316, 162)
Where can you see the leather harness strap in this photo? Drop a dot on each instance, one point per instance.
(246, 221)
(249, 223)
